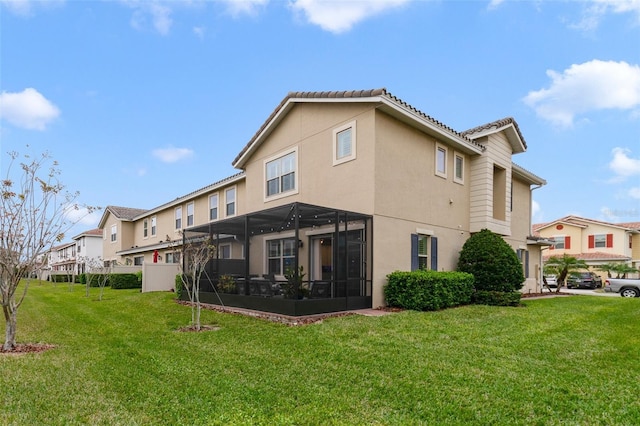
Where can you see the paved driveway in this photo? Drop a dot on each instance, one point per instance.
(599, 292)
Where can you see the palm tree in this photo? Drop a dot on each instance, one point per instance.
(562, 267)
(620, 269)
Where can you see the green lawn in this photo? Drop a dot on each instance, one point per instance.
(570, 361)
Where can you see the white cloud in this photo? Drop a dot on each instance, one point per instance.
(171, 155)
(26, 7)
(493, 4)
(591, 86)
(340, 16)
(623, 165)
(82, 215)
(158, 12)
(245, 7)
(199, 32)
(27, 109)
(635, 193)
(597, 9)
(535, 209)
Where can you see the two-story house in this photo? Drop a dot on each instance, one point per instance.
(88, 250)
(62, 259)
(596, 242)
(351, 186)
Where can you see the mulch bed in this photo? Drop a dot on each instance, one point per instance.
(27, 348)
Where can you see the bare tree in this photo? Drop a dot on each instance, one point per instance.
(33, 217)
(196, 253)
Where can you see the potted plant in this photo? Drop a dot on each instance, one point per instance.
(295, 288)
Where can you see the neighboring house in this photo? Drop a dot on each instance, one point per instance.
(62, 259)
(352, 186)
(596, 242)
(88, 250)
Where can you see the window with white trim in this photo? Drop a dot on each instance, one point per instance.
(423, 252)
(280, 255)
(458, 167)
(190, 209)
(138, 260)
(145, 228)
(224, 251)
(114, 233)
(153, 226)
(344, 143)
(230, 201)
(213, 207)
(172, 257)
(178, 217)
(280, 174)
(441, 161)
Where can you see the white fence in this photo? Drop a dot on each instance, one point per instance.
(159, 276)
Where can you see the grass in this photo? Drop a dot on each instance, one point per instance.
(557, 361)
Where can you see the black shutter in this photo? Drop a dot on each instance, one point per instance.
(526, 264)
(414, 252)
(434, 253)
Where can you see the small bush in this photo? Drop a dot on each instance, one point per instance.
(497, 298)
(82, 278)
(96, 279)
(122, 281)
(178, 286)
(428, 290)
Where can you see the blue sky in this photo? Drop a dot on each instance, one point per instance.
(144, 101)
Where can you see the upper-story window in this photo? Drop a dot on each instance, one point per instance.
(178, 217)
(280, 174)
(458, 168)
(344, 143)
(190, 208)
(213, 207)
(145, 228)
(561, 242)
(114, 232)
(601, 241)
(230, 201)
(153, 226)
(441, 161)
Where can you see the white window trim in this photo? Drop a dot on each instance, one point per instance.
(282, 236)
(217, 195)
(235, 212)
(154, 229)
(446, 155)
(455, 168)
(175, 218)
(295, 180)
(230, 250)
(351, 125)
(193, 213)
(113, 234)
(145, 222)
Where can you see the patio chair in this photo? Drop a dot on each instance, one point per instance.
(320, 289)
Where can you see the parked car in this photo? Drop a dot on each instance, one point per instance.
(626, 287)
(551, 280)
(584, 280)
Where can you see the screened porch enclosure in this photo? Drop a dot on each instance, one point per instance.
(295, 259)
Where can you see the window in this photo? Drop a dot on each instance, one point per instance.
(213, 207)
(178, 217)
(114, 232)
(190, 208)
(458, 168)
(424, 251)
(145, 228)
(561, 242)
(441, 161)
(172, 257)
(138, 260)
(280, 174)
(344, 143)
(230, 200)
(224, 251)
(280, 255)
(153, 226)
(601, 241)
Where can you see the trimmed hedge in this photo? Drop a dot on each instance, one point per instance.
(122, 281)
(95, 279)
(178, 286)
(428, 290)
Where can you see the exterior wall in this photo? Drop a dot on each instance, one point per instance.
(159, 277)
(483, 196)
(309, 129)
(580, 239)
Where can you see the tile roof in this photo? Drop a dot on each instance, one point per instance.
(630, 225)
(592, 256)
(580, 221)
(126, 213)
(352, 94)
(497, 125)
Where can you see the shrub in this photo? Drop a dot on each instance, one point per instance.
(492, 262)
(122, 281)
(497, 298)
(82, 278)
(178, 286)
(428, 290)
(96, 279)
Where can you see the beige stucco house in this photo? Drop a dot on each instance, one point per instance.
(351, 186)
(596, 242)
